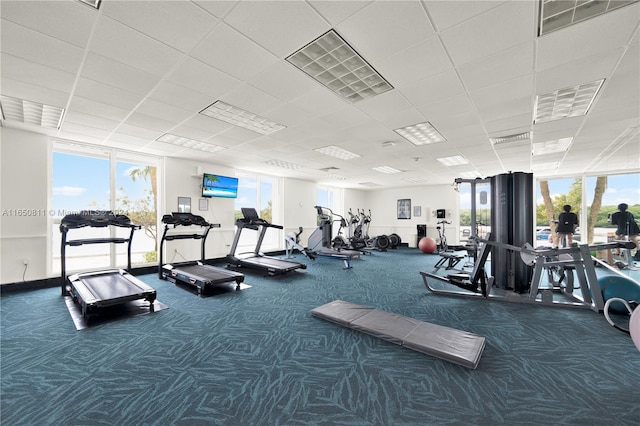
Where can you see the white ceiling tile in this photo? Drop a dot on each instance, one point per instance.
(229, 51)
(596, 35)
(251, 99)
(446, 14)
(281, 27)
(163, 111)
(337, 11)
(97, 122)
(384, 28)
(22, 90)
(420, 60)
(319, 101)
(46, 16)
(383, 106)
(123, 44)
(500, 28)
(103, 93)
(90, 106)
(179, 96)
(210, 126)
(39, 48)
(179, 24)
(218, 8)
(202, 78)
(283, 81)
(117, 74)
(506, 65)
(434, 88)
(506, 99)
(148, 122)
(14, 68)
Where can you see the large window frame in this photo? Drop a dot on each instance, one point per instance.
(114, 157)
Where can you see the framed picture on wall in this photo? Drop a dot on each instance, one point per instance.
(417, 211)
(404, 209)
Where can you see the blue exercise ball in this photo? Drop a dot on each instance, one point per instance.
(620, 287)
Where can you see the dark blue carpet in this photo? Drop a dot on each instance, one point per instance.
(258, 357)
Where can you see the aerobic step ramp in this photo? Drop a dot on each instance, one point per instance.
(450, 344)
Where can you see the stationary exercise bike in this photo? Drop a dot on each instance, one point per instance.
(442, 245)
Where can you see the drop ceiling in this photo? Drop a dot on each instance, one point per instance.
(131, 72)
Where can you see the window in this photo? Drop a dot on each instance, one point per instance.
(104, 180)
(259, 192)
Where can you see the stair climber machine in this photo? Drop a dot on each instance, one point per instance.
(197, 274)
(321, 241)
(93, 291)
(255, 259)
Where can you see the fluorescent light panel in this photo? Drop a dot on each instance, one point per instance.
(337, 152)
(420, 134)
(416, 179)
(456, 160)
(369, 184)
(282, 164)
(549, 147)
(560, 14)
(568, 102)
(241, 118)
(519, 137)
(29, 112)
(189, 143)
(333, 63)
(386, 169)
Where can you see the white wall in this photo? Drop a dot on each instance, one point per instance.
(183, 178)
(383, 205)
(24, 177)
(24, 174)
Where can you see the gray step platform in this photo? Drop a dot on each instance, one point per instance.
(450, 344)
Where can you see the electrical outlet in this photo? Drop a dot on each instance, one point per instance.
(25, 261)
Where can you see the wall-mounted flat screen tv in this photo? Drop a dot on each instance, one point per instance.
(219, 186)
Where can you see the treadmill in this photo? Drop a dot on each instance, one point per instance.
(197, 274)
(255, 259)
(95, 290)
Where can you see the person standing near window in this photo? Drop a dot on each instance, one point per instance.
(567, 223)
(626, 225)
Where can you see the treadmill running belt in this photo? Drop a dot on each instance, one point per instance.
(110, 286)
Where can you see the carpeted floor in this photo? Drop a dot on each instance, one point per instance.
(258, 357)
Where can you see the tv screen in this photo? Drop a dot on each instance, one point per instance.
(219, 186)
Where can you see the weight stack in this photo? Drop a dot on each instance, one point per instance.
(511, 223)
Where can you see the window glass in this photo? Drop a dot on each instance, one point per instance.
(79, 183)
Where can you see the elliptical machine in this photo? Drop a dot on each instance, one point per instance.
(380, 242)
(322, 243)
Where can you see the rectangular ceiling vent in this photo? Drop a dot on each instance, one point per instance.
(511, 139)
(282, 164)
(369, 184)
(329, 169)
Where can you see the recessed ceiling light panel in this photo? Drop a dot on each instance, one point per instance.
(283, 164)
(29, 112)
(568, 102)
(420, 134)
(556, 14)
(337, 152)
(416, 179)
(519, 137)
(456, 160)
(189, 143)
(386, 169)
(549, 147)
(333, 63)
(241, 118)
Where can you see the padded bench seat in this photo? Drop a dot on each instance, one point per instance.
(450, 344)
